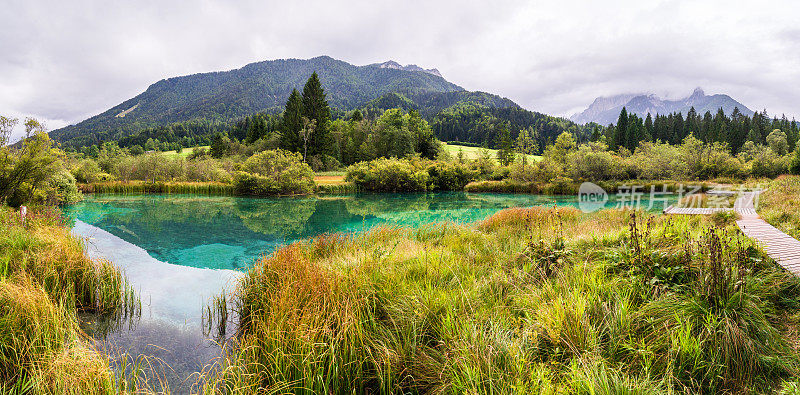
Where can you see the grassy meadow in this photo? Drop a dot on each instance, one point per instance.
(527, 301)
(472, 153)
(779, 204)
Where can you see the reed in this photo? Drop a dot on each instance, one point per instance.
(45, 280)
(141, 187)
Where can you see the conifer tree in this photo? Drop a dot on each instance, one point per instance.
(315, 107)
(622, 129)
(505, 152)
(292, 123)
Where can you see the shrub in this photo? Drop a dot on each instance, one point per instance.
(152, 167)
(450, 176)
(86, 171)
(274, 172)
(766, 163)
(593, 162)
(544, 170)
(63, 189)
(324, 163)
(388, 175)
(654, 161)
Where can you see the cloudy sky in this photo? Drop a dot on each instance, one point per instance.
(63, 61)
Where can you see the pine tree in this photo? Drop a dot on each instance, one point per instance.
(649, 131)
(316, 107)
(622, 129)
(292, 123)
(505, 152)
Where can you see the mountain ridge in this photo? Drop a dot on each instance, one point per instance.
(256, 87)
(605, 110)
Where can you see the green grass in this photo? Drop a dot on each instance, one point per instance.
(527, 301)
(779, 204)
(184, 153)
(471, 153)
(142, 187)
(45, 280)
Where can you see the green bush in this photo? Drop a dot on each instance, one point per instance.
(450, 176)
(544, 170)
(766, 163)
(86, 171)
(324, 163)
(594, 162)
(388, 175)
(274, 172)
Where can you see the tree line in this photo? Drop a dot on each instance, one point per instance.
(734, 130)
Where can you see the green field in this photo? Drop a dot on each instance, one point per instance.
(184, 153)
(475, 152)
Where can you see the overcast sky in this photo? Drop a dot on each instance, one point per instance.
(63, 61)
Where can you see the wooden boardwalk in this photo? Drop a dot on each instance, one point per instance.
(781, 247)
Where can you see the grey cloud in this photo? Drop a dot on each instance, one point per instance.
(65, 61)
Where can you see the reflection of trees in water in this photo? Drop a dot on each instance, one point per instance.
(281, 217)
(375, 205)
(152, 213)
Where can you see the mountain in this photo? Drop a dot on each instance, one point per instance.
(257, 87)
(410, 67)
(195, 107)
(605, 110)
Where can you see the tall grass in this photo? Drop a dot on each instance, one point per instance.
(567, 186)
(45, 280)
(778, 204)
(142, 187)
(528, 301)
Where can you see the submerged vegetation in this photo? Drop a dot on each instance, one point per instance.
(527, 301)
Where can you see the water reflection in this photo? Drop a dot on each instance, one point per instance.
(180, 250)
(230, 232)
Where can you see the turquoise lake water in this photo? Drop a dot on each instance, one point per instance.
(179, 251)
(223, 232)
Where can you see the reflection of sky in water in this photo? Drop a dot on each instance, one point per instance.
(230, 232)
(140, 232)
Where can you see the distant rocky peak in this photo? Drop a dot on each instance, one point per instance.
(698, 93)
(409, 67)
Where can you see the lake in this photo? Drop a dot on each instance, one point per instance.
(178, 251)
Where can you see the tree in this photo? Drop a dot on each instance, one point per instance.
(621, 129)
(305, 133)
(33, 126)
(526, 143)
(26, 169)
(7, 125)
(292, 122)
(425, 142)
(316, 107)
(794, 165)
(563, 145)
(777, 142)
(505, 152)
(220, 145)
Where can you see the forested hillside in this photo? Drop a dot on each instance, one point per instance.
(223, 97)
(248, 102)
